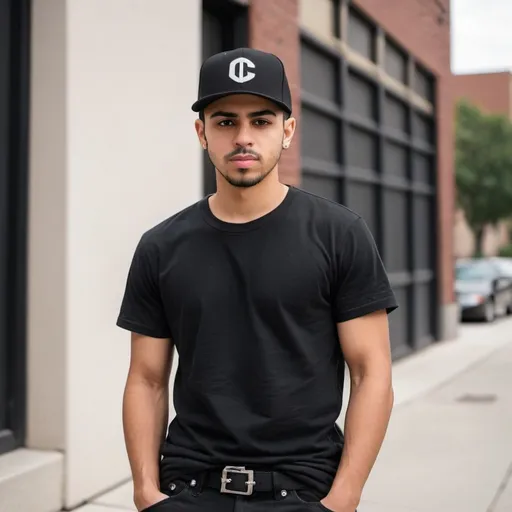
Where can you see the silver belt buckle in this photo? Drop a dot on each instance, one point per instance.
(225, 480)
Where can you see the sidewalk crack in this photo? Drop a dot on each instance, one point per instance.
(501, 489)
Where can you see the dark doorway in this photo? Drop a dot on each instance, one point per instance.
(225, 27)
(14, 92)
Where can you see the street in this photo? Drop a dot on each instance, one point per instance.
(449, 443)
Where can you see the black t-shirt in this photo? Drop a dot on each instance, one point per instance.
(252, 310)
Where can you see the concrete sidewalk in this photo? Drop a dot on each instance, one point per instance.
(450, 450)
(449, 444)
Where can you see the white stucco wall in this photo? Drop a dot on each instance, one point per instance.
(113, 152)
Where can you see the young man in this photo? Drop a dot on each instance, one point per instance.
(265, 291)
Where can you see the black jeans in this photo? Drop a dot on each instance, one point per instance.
(186, 498)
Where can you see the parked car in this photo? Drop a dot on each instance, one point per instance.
(484, 288)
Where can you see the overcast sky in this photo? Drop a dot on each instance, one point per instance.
(481, 35)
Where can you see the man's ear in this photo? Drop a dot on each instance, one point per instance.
(200, 133)
(289, 130)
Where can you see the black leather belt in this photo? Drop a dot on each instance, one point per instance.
(238, 480)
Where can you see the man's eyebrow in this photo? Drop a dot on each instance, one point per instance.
(259, 113)
(221, 113)
(266, 112)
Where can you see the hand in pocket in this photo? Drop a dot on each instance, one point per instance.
(147, 502)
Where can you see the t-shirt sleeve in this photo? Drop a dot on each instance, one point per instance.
(362, 285)
(142, 309)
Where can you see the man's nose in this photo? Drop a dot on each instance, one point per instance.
(243, 135)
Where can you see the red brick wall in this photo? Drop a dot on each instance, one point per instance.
(416, 25)
(274, 27)
(490, 91)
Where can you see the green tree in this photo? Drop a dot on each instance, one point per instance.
(483, 164)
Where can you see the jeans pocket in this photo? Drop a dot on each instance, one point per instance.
(311, 501)
(180, 490)
(157, 505)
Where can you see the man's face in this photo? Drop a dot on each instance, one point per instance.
(244, 135)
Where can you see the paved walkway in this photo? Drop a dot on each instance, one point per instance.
(449, 444)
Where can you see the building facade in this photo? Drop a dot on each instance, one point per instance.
(97, 144)
(491, 92)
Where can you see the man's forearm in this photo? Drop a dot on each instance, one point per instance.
(366, 422)
(145, 416)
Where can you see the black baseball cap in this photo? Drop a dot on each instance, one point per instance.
(243, 71)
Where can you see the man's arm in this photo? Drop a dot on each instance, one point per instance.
(366, 348)
(145, 414)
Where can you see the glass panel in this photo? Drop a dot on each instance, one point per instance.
(212, 35)
(361, 36)
(320, 136)
(423, 83)
(395, 160)
(319, 74)
(395, 62)
(395, 114)
(422, 128)
(423, 317)
(361, 149)
(362, 198)
(422, 232)
(422, 171)
(322, 186)
(395, 230)
(398, 320)
(361, 97)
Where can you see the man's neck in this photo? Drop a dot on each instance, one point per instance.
(239, 205)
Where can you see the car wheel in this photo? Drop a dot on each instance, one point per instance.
(489, 311)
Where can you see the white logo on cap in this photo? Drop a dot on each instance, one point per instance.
(238, 70)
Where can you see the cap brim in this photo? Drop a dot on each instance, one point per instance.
(204, 102)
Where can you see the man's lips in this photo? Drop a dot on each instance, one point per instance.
(243, 158)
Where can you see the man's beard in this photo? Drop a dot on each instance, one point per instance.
(241, 181)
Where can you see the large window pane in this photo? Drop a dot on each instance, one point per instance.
(395, 114)
(398, 321)
(361, 36)
(212, 35)
(423, 83)
(423, 317)
(395, 160)
(395, 230)
(319, 74)
(323, 186)
(422, 234)
(361, 97)
(320, 136)
(422, 127)
(422, 171)
(361, 149)
(395, 62)
(361, 197)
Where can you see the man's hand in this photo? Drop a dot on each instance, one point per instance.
(148, 498)
(339, 504)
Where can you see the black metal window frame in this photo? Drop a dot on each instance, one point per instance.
(14, 109)
(232, 20)
(413, 277)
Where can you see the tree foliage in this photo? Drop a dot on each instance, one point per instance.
(483, 163)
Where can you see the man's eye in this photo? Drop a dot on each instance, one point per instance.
(261, 122)
(226, 122)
